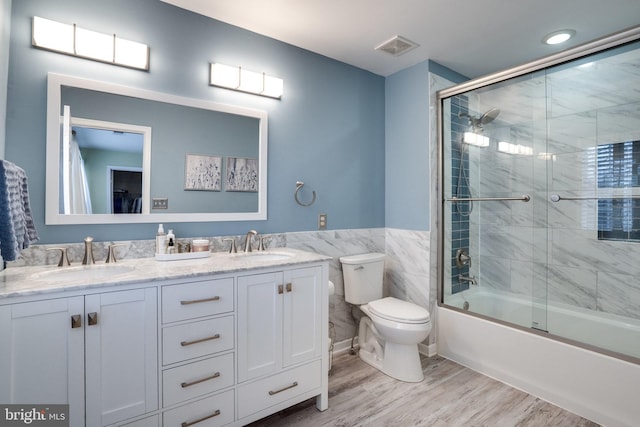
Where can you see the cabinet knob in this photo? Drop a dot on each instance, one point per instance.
(289, 287)
(76, 321)
(280, 289)
(92, 318)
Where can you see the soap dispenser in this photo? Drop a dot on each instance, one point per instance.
(161, 240)
(171, 242)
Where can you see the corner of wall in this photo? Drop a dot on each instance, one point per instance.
(5, 36)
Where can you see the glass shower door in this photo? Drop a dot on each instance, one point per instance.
(495, 201)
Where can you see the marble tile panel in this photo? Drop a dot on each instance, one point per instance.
(575, 171)
(494, 273)
(507, 242)
(619, 123)
(572, 286)
(571, 133)
(572, 214)
(522, 277)
(619, 294)
(579, 248)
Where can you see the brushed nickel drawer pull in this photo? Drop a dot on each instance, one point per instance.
(196, 301)
(280, 289)
(289, 287)
(186, 343)
(272, 392)
(184, 385)
(187, 424)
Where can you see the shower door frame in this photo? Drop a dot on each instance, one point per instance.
(626, 36)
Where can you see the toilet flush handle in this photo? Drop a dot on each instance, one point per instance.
(360, 267)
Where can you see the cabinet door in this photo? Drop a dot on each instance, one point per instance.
(259, 325)
(42, 355)
(121, 355)
(302, 315)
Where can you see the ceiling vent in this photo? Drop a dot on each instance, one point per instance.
(397, 46)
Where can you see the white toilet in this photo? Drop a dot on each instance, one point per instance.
(389, 334)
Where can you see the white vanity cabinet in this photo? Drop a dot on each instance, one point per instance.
(219, 343)
(280, 337)
(198, 343)
(54, 350)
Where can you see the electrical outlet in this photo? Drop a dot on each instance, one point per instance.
(160, 203)
(322, 221)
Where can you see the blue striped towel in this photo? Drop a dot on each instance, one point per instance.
(17, 230)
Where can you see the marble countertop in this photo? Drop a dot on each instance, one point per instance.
(25, 281)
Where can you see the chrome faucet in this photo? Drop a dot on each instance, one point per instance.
(470, 279)
(247, 242)
(88, 251)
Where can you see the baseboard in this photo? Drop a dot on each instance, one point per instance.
(343, 346)
(428, 350)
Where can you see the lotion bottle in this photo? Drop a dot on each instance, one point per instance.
(161, 240)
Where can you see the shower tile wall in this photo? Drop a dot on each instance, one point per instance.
(563, 115)
(459, 188)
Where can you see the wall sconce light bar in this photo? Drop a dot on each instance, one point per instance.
(237, 78)
(476, 139)
(75, 41)
(518, 149)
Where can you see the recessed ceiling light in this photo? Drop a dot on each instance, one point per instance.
(558, 37)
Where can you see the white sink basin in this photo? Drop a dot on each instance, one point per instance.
(83, 272)
(266, 256)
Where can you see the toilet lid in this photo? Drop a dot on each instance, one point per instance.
(400, 311)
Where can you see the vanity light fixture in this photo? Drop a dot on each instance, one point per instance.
(509, 148)
(476, 139)
(75, 41)
(558, 37)
(237, 78)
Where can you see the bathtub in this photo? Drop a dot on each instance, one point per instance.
(597, 386)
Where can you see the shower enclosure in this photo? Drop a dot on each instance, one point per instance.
(540, 197)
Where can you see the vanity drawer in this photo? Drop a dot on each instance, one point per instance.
(196, 299)
(278, 388)
(213, 411)
(152, 421)
(197, 339)
(196, 379)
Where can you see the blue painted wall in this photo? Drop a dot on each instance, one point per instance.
(407, 135)
(407, 148)
(328, 130)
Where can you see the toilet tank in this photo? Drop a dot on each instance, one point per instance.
(363, 275)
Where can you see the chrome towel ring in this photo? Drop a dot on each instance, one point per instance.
(299, 185)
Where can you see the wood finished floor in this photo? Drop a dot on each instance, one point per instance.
(450, 395)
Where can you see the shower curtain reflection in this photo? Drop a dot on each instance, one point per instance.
(80, 198)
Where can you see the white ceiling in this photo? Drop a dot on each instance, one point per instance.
(471, 37)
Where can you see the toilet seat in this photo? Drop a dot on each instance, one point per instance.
(400, 311)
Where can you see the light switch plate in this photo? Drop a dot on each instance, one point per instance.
(160, 203)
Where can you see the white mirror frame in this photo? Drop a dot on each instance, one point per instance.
(52, 208)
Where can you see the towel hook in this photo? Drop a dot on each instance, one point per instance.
(299, 185)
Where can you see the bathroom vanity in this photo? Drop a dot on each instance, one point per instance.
(223, 340)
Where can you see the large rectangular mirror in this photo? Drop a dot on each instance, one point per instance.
(113, 150)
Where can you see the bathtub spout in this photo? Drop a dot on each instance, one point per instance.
(470, 279)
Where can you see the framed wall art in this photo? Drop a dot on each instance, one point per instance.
(202, 172)
(242, 174)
